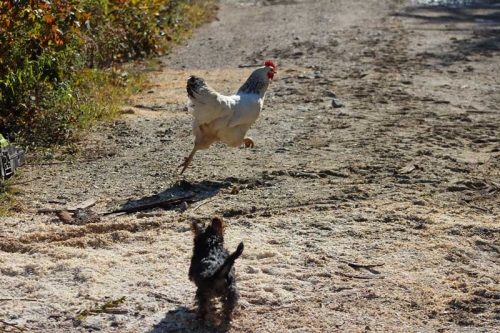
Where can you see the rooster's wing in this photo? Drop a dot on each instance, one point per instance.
(206, 104)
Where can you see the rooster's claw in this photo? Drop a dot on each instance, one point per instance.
(185, 164)
(248, 142)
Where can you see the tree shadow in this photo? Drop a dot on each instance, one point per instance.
(481, 17)
(479, 11)
(183, 319)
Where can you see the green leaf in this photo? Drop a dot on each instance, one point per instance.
(99, 309)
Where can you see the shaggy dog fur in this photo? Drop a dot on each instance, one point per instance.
(212, 268)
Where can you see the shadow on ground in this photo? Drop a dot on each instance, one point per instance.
(183, 319)
(173, 197)
(481, 17)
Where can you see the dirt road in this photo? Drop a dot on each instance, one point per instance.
(406, 173)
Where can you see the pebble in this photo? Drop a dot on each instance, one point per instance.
(336, 103)
(184, 206)
(304, 76)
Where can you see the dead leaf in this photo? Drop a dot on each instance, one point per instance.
(64, 216)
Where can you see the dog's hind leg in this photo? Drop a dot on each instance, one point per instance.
(204, 303)
(230, 300)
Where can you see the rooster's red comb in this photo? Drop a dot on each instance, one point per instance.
(270, 63)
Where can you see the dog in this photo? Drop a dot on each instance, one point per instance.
(212, 269)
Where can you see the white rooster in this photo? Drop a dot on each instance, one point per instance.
(226, 118)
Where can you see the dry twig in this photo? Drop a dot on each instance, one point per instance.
(203, 203)
(365, 277)
(481, 111)
(20, 299)
(355, 264)
(11, 325)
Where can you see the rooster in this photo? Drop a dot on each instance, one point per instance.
(219, 118)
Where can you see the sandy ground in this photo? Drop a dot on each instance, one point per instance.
(405, 174)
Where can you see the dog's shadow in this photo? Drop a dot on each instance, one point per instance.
(183, 319)
(183, 190)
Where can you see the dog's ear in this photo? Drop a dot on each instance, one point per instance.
(218, 225)
(196, 227)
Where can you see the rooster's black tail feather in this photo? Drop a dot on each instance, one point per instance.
(193, 86)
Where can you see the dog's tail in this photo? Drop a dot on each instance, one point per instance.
(228, 264)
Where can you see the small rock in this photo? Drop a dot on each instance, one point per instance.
(336, 103)
(469, 68)
(184, 206)
(304, 76)
(331, 94)
(84, 216)
(334, 42)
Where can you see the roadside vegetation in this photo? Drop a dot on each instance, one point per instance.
(60, 65)
(63, 63)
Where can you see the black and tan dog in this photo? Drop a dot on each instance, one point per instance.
(212, 268)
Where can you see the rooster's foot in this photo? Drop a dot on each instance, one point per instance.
(185, 164)
(248, 142)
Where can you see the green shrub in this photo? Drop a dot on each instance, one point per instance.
(57, 59)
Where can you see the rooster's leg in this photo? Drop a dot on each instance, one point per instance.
(188, 160)
(248, 142)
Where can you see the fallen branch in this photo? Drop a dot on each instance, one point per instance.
(165, 298)
(11, 325)
(20, 299)
(82, 205)
(163, 203)
(49, 210)
(203, 203)
(482, 111)
(481, 208)
(355, 264)
(365, 277)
